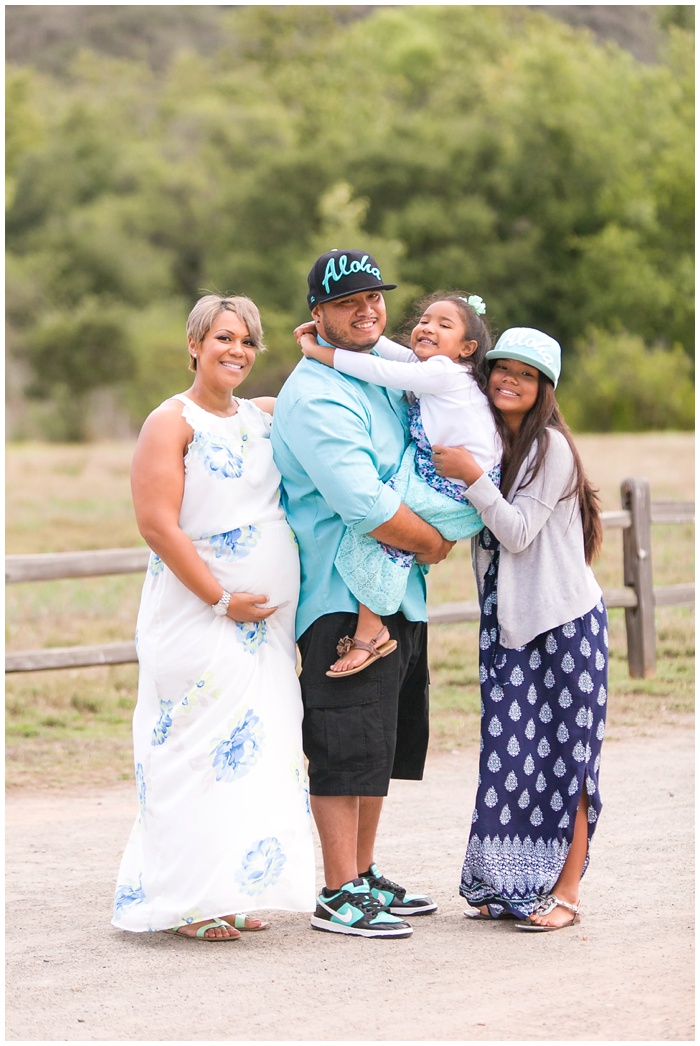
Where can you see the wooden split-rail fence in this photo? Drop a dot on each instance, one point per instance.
(638, 597)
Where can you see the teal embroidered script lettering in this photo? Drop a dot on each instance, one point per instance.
(343, 268)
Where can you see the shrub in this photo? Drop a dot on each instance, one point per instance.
(617, 383)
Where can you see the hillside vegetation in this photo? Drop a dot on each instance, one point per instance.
(154, 153)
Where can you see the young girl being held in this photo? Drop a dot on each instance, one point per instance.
(444, 371)
(543, 650)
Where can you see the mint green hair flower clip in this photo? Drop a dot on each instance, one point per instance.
(478, 304)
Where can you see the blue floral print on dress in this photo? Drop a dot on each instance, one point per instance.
(262, 866)
(192, 915)
(252, 634)
(424, 460)
(200, 693)
(235, 544)
(398, 555)
(160, 730)
(126, 895)
(141, 786)
(174, 714)
(220, 459)
(155, 565)
(236, 756)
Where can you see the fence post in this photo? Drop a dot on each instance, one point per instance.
(636, 549)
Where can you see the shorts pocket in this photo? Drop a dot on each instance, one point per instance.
(343, 726)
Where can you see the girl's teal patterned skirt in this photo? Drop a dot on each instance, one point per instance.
(377, 574)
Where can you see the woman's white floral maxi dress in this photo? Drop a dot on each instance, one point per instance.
(224, 823)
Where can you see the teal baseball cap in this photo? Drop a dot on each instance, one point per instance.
(529, 346)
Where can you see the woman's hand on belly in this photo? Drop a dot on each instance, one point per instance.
(247, 607)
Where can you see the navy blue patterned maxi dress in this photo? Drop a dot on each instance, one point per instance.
(542, 726)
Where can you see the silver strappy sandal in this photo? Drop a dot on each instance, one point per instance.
(546, 905)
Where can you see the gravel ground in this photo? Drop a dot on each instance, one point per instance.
(624, 974)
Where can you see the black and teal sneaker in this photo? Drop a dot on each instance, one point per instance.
(353, 910)
(394, 897)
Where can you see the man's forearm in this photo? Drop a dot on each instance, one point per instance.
(408, 531)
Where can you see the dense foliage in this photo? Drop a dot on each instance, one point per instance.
(491, 149)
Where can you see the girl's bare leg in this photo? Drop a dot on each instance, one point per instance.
(567, 885)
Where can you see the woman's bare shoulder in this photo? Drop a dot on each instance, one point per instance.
(265, 403)
(166, 421)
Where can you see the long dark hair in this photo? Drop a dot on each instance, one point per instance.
(544, 415)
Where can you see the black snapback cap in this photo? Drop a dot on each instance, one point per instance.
(338, 274)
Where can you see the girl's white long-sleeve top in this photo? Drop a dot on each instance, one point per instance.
(454, 410)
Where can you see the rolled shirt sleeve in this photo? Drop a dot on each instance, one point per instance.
(340, 463)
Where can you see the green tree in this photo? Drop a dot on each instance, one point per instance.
(489, 149)
(622, 385)
(24, 125)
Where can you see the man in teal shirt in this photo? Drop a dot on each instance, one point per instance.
(337, 441)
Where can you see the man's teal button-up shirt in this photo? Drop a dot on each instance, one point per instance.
(337, 441)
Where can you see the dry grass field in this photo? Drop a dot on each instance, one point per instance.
(69, 728)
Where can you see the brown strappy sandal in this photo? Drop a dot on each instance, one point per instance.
(376, 650)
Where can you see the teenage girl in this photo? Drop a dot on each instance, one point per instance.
(543, 649)
(444, 370)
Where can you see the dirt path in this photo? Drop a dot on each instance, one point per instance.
(625, 974)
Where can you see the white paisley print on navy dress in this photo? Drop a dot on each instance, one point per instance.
(542, 726)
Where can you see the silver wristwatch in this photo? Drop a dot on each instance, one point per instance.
(221, 607)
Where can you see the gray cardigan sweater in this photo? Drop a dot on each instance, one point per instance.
(543, 579)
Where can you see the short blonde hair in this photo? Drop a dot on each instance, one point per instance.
(200, 320)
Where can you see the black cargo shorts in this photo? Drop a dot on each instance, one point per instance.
(361, 730)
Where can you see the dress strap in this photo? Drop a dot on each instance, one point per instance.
(191, 412)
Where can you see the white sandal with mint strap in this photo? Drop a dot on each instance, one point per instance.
(546, 905)
(199, 935)
(239, 923)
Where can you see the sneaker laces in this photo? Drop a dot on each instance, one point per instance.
(382, 883)
(366, 902)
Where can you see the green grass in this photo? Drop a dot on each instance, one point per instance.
(634, 703)
(64, 498)
(72, 727)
